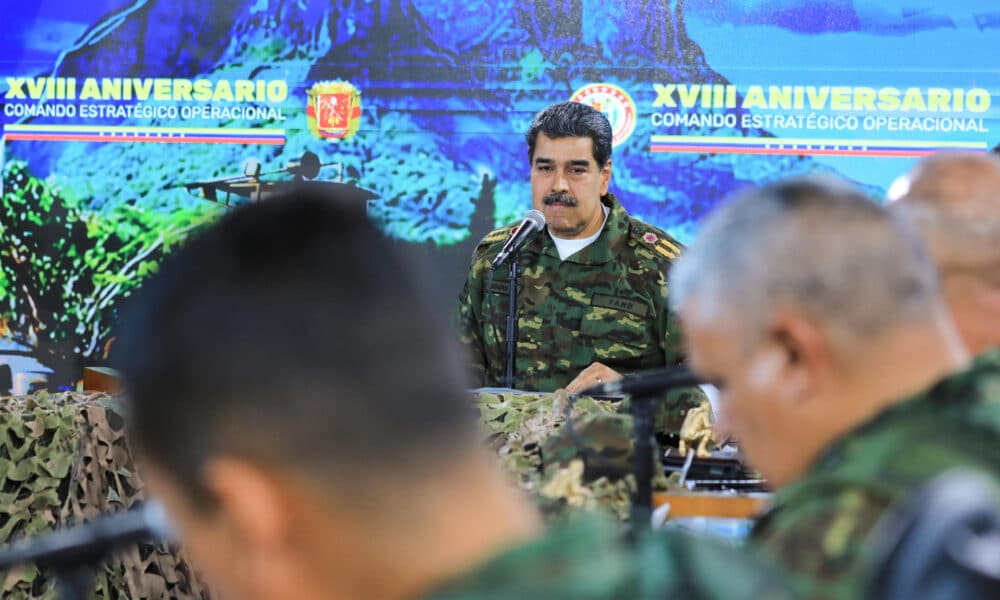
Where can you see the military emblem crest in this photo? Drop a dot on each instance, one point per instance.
(650, 238)
(615, 103)
(334, 110)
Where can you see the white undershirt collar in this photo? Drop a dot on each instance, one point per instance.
(568, 248)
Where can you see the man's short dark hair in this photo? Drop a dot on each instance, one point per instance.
(572, 119)
(290, 333)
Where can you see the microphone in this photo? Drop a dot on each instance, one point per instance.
(533, 222)
(649, 382)
(89, 542)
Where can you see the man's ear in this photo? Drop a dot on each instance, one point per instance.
(806, 352)
(605, 177)
(251, 502)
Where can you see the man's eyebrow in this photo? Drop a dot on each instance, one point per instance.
(576, 162)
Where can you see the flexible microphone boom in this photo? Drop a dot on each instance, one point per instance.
(89, 542)
(649, 382)
(533, 222)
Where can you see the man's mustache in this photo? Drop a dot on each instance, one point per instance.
(560, 198)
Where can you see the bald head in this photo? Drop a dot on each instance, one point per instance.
(954, 201)
(956, 179)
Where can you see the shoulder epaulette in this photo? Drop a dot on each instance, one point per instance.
(497, 235)
(660, 242)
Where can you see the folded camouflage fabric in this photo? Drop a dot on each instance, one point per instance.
(583, 463)
(64, 460)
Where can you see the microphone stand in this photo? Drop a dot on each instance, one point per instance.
(74, 582)
(73, 556)
(642, 459)
(643, 404)
(511, 320)
(74, 575)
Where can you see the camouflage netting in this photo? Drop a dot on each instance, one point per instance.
(585, 466)
(64, 460)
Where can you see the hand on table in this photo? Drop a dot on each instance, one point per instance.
(595, 374)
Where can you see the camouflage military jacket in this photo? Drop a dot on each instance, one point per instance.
(606, 303)
(586, 559)
(819, 526)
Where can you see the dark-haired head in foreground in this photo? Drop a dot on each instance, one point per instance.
(303, 416)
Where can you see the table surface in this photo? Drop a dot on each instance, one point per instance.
(713, 504)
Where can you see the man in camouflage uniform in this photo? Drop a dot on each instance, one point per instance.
(592, 293)
(818, 316)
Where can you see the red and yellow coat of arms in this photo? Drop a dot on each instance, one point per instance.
(334, 109)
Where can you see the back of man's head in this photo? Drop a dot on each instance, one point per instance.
(302, 415)
(290, 333)
(814, 244)
(954, 201)
(794, 298)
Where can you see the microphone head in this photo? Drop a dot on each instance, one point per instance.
(533, 223)
(536, 217)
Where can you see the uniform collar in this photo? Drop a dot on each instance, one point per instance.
(953, 395)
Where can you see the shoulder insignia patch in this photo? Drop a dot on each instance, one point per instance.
(667, 248)
(496, 236)
(662, 244)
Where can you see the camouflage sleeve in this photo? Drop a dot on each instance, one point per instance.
(468, 324)
(583, 558)
(678, 402)
(673, 341)
(702, 567)
(820, 540)
(666, 251)
(671, 412)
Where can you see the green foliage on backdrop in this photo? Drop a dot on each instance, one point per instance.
(64, 269)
